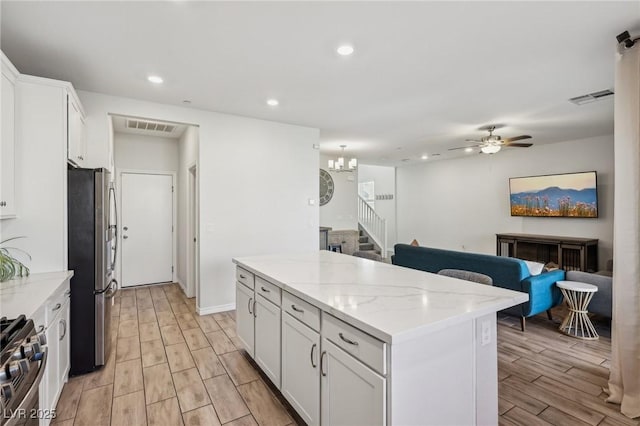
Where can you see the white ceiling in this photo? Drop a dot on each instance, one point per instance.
(424, 76)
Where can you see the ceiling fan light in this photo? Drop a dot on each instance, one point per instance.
(490, 149)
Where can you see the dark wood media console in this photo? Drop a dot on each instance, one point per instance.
(570, 253)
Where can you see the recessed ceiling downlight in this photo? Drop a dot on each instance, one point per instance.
(345, 50)
(424, 157)
(273, 102)
(468, 149)
(155, 79)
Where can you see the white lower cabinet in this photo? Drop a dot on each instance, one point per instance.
(52, 319)
(244, 317)
(352, 393)
(267, 338)
(331, 374)
(300, 369)
(63, 342)
(51, 379)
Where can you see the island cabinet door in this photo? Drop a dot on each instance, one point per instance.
(267, 349)
(300, 369)
(245, 305)
(352, 393)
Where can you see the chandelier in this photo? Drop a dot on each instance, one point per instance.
(339, 164)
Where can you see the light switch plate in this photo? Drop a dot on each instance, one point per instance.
(485, 338)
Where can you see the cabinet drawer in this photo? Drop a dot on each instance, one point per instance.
(364, 347)
(268, 291)
(245, 277)
(56, 302)
(298, 308)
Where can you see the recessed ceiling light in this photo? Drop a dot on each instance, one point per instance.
(345, 50)
(155, 79)
(468, 149)
(186, 102)
(273, 102)
(424, 157)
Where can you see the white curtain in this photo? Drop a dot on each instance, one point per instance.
(624, 380)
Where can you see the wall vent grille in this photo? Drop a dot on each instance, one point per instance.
(591, 97)
(151, 126)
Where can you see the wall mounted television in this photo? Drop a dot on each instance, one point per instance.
(561, 195)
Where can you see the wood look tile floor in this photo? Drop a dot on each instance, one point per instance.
(548, 378)
(170, 366)
(165, 368)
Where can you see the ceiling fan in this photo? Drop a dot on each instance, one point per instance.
(494, 143)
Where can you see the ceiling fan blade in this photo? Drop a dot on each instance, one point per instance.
(518, 145)
(463, 147)
(516, 138)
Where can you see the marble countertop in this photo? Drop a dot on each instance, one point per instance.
(389, 302)
(25, 295)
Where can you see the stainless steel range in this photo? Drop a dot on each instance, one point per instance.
(23, 359)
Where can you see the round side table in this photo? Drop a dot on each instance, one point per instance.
(577, 323)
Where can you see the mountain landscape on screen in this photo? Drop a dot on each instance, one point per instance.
(574, 196)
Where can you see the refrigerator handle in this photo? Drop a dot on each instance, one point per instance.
(114, 289)
(112, 190)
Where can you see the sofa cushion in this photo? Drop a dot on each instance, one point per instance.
(601, 302)
(506, 272)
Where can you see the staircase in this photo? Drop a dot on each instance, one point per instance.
(365, 245)
(373, 229)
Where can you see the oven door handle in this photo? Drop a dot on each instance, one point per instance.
(31, 393)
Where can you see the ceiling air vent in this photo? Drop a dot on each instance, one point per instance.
(150, 126)
(591, 97)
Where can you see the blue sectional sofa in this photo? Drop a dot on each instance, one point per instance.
(506, 272)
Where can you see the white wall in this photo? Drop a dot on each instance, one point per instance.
(188, 156)
(249, 205)
(140, 152)
(461, 204)
(342, 211)
(384, 179)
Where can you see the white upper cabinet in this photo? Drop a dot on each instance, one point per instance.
(76, 140)
(7, 145)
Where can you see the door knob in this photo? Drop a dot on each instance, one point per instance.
(126, 228)
(125, 237)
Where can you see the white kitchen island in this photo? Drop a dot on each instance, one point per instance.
(353, 341)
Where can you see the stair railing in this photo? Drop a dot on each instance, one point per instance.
(373, 224)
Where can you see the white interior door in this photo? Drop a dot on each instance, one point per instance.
(192, 242)
(147, 228)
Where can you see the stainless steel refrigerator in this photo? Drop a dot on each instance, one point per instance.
(92, 237)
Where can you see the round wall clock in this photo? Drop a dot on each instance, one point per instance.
(326, 187)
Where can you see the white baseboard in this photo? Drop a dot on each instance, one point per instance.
(215, 309)
(183, 287)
